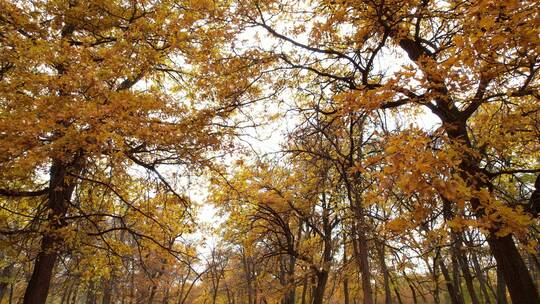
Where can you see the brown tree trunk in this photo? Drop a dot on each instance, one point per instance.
(501, 288)
(517, 277)
(345, 274)
(454, 298)
(91, 293)
(291, 296)
(318, 292)
(107, 290)
(4, 280)
(60, 191)
(248, 276)
(478, 271)
(361, 250)
(435, 274)
(10, 300)
(386, 275)
(304, 290)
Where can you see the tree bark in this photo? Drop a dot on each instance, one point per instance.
(386, 275)
(318, 293)
(60, 191)
(516, 275)
(91, 293)
(107, 290)
(4, 280)
(304, 290)
(501, 288)
(345, 274)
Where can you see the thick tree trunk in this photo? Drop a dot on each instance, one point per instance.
(59, 195)
(513, 269)
(501, 288)
(518, 278)
(318, 292)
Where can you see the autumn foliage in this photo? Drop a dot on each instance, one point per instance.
(406, 167)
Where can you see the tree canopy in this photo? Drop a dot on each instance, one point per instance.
(406, 167)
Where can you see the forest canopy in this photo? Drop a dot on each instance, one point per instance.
(269, 151)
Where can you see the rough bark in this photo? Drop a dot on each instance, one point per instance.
(501, 288)
(318, 292)
(60, 192)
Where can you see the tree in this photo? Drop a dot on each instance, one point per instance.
(88, 90)
(453, 59)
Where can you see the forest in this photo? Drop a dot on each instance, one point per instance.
(269, 151)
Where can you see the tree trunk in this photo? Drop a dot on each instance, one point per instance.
(361, 253)
(107, 290)
(318, 293)
(386, 275)
(345, 275)
(4, 280)
(501, 288)
(248, 276)
(291, 296)
(91, 293)
(304, 290)
(463, 262)
(454, 298)
(10, 293)
(478, 272)
(517, 277)
(60, 191)
(436, 279)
